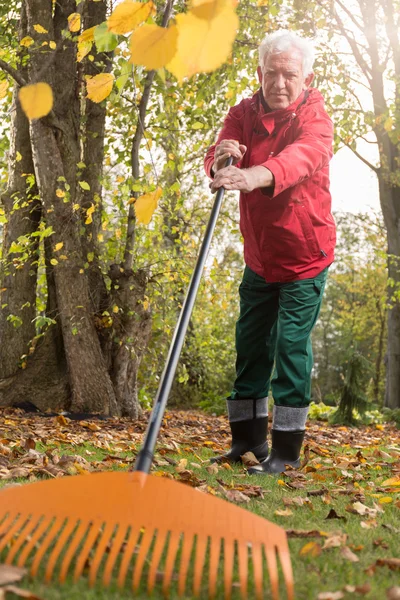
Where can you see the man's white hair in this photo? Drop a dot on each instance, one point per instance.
(280, 41)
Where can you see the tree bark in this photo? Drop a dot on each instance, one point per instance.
(56, 152)
(18, 273)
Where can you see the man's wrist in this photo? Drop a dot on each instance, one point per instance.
(262, 177)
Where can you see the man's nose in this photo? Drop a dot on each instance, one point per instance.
(279, 82)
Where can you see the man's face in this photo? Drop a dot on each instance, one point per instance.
(281, 78)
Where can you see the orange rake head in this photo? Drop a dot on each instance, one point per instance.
(118, 522)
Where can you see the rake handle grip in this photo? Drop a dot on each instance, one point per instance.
(145, 456)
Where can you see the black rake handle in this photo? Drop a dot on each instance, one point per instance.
(145, 456)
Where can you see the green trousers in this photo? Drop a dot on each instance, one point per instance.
(274, 330)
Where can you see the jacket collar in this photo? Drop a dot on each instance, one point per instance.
(270, 117)
(259, 103)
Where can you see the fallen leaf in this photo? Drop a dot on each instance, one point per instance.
(21, 593)
(361, 509)
(236, 496)
(330, 596)
(249, 459)
(311, 548)
(128, 15)
(145, 206)
(348, 554)
(333, 515)
(284, 513)
(99, 86)
(212, 469)
(335, 540)
(358, 589)
(36, 100)
(303, 533)
(10, 574)
(393, 593)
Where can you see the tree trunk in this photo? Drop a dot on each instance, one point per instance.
(390, 202)
(18, 273)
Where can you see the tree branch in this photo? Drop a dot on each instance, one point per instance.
(364, 160)
(137, 138)
(13, 72)
(351, 16)
(366, 69)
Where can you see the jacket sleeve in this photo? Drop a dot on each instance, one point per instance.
(310, 152)
(232, 129)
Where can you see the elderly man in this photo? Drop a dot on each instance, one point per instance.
(281, 144)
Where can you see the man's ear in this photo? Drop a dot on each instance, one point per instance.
(308, 80)
(259, 73)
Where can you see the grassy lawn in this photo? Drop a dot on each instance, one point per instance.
(334, 546)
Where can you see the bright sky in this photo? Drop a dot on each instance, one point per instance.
(354, 186)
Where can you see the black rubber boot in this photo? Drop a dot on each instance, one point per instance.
(285, 450)
(247, 436)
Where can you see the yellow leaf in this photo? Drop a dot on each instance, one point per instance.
(146, 205)
(153, 46)
(52, 45)
(83, 49)
(26, 41)
(18, 156)
(87, 35)
(74, 22)
(3, 88)
(380, 427)
(58, 246)
(89, 214)
(115, 309)
(54, 261)
(392, 481)
(76, 207)
(129, 15)
(60, 193)
(99, 86)
(40, 29)
(385, 500)
(36, 100)
(206, 35)
(311, 548)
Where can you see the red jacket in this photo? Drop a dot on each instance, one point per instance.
(288, 230)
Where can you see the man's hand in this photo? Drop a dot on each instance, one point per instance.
(244, 180)
(226, 149)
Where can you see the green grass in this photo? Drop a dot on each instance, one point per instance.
(327, 571)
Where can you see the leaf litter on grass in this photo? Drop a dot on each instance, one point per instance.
(341, 469)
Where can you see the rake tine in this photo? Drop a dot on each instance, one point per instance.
(20, 521)
(6, 523)
(201, 547)
(256, 554)
(141, 557)
(155, 559)
(129, 550)
(173, 544)
(87, 546)
(32, 542)
(49, 537)
(62, 540)
(243, 568)
(229, 554)
(284, 557)
(72, 546)
(112, 557)
(270, 554)
(100, 550)
(23, 534)
(185, 561)
(213, 570)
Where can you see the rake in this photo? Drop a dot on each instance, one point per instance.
(126, 525)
